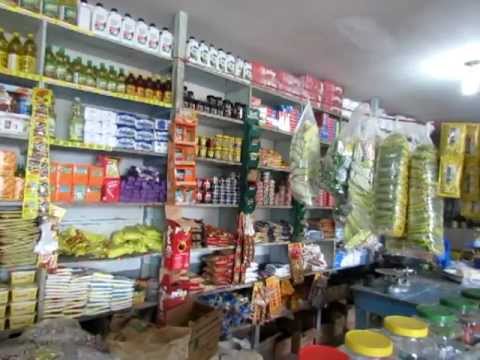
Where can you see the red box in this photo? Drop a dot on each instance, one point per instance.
(332, 87)
(95, 175)
(80, 174)
(311, 83)
(94, 194)
(264, 75)
(65, 174)
(289, 83)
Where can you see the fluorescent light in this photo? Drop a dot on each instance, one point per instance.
(471, 78)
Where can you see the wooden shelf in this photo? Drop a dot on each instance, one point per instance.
(217, 162)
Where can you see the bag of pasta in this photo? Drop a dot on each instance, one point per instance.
(425, 208)
(391, 186)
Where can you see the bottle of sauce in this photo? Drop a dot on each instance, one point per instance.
(102, 77)
(50, 63)
(153, 38)
(150, 89)
(100, 19)
(213, 57)
(28, 59)
(91, 76)
(222, 60)
(166, 42)
(61, 64)
(141, 34)
(158, 89)
(114, 24)
(130, 85)
(69, 70)
(14, 50)
(140, 86)
(192, 51)
(121, 87)
(3, 49)
(112, 80)
(167, 90)
(204, 52)
(128, 29)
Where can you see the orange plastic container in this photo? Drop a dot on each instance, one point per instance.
(65, 174)
(80, 174)
(95, 175)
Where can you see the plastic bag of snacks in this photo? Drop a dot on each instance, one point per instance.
(358, 225)
(450, 176)
(471, 180)
(305, 157)
(391, 185)
(472, 142)
(425, 208)
(453, 139)
(8, 163)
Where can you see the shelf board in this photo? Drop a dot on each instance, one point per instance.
(319, 208)
(70, 260)
(195, 72)
(275, 134)
(12, 203)
(144, 306)
(92, 90)
(272, 168)
(108, 204)
(19, 78)
(274, 207)
(210, 249)
(273, 96)
(61, 145)
(275, 243)
(217, 121)
(217, 162)
(212, 206)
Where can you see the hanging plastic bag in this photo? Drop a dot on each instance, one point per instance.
(391, 185)
(305, 157)
(359, 224)
(336, 164)
(425, 208)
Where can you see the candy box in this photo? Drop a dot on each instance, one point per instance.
(23, 293)
(80, 174)
(22, 308)
(22, 277)
(264, 75)
(311, 83)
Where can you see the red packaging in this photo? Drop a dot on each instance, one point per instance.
(332, 87)
(111, 190)
(177, 251)
(289, 83)
(311, 83)
(264, 75)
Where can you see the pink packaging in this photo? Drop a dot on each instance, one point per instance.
(255, 102)
(264, 75)
(332, 87)
(308, 82)
(289, 83)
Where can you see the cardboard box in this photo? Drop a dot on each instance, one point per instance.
(264, 75)
(300, 340)
(204, 323)
(311, 83)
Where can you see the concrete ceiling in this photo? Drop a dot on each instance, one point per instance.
(372, 47)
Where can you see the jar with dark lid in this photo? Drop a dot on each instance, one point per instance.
(227, 108)
(219, 105)
(239, 111)
(212, 102)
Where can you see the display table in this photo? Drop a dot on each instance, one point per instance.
(376, 299)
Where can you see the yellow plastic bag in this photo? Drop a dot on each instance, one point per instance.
(450, 176)
(453, 138)
(471, 180)
(472, 142)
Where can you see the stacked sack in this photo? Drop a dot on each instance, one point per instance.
(11, 187)
(218, 268)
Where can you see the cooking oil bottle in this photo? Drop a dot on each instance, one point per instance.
(14, 51)
(3, 49)
(28, 57)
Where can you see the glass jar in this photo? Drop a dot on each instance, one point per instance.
(410, 337)
(368, 345)
(445, 330)
(227, 108)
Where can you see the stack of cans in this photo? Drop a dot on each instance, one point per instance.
(219, 190)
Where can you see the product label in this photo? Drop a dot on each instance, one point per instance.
(193, 53)
(204, 55)
(149, 93)
(131, 90)
(140, 91)
(167, 45)
(99, 21)
(13, 62)
(142, 36)
(102, 84)
(154, 40)
(33, 5)
(221, 62)
(70, 15)
(121, 88)
(167, 97)
(114, 26)
(112, 86)
(28, 64)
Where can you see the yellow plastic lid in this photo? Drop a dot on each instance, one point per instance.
(406, 326)
(368, 343)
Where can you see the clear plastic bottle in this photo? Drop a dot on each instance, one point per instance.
(141, 34)
(213, 57)
(3, 49)
(114, 24)
(102, 77)
(50, 63)
(193, 51)
(153, 38)
(99, 19)
(128, 29)
(230, 64)
(61, 64)
(239, 63)
(77, 122)
(166, 42)
(69, 70)
(204, 52)
(121, 87)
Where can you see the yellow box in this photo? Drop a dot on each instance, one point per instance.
(2, 324)
(22, 277)
(24, 293)
(20, 322)
(3, 294)
(470, 180)
(23, 308)
(450, 176)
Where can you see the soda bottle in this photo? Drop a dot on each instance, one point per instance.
(77, 123)
(69, 70)
(149, 88)
(61, 64)
(50, 63)
(102, 77)
(112, 80)
(28, 58)
(167, 90)
(140, 86)
(158, 89)
(130, 85)
(91, 78)
(3, 49)
(14, 50)
(121, 86)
